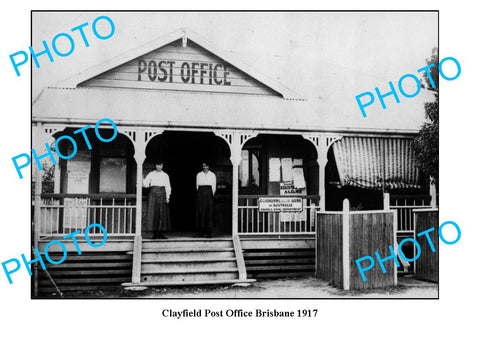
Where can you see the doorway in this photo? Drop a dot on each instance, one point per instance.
(183, 153)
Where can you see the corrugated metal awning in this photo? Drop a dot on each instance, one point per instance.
(216, 110)
(369, 162)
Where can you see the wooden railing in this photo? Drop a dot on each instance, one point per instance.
(252, 221)
(62, 214)
(404, 205)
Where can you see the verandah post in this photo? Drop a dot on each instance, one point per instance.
(139, 156)
(433, 193)
(322, 163)
(386, 201)
(139, 159)
(235, 158)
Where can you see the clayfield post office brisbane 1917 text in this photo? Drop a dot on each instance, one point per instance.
(281, 132)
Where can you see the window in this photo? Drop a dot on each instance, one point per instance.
(249, 172)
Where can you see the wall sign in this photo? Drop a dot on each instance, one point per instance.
(188, 72)
(280, 204)
(174, 67)
(287, 188)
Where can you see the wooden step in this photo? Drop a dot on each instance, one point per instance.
(193, 261)
(190, 255)
(194, 243)
(190, 277)
(189, 271)
(184, 283)
(184, 266)
(184, 250)
(188, 261)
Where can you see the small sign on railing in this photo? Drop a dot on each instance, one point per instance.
(75, 213)
(280, 204)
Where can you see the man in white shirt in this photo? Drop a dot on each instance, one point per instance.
(205, 208)
(158, 214)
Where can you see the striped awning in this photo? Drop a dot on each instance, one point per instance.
(368, 162)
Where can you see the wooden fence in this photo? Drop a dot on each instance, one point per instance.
(330, 247)
(343, 237)
(427, 264)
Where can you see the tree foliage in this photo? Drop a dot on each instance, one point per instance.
(425, 145)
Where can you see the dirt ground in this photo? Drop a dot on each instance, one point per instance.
(307, 287)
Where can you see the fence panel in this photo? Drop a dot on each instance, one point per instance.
(370, 232)
(329, 248)
(427, 264)
(343, 237)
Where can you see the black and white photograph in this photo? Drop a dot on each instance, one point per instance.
(235, 154)
(238, 170)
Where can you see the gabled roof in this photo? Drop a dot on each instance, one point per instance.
(333, 109)
(75, 80)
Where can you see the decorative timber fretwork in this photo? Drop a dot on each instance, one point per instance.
(331, 139)
(244, 137)
(314, 139)
(131, 133)
(42, 134)
(48, 130)
(149, 134)
(236, 140)
(145, 135)
(227, 136)
(322, 143)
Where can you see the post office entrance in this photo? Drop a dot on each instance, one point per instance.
(183, 153)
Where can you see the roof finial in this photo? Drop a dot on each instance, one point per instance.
(184, 38)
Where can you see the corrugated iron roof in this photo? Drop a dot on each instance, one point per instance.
(216, 110)
(334, 108)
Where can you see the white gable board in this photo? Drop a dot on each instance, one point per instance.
(180, 68)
